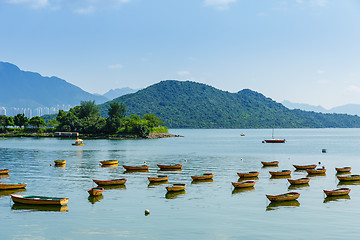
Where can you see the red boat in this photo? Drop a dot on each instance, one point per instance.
(274, 140)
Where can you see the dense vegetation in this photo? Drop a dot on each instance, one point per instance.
(194, 105)
(86, 119)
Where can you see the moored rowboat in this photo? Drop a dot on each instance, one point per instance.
(159, 178)
(6, 186)
(169, 167)
(176, 187)
(119, 181)
(298, 181)
(316, 171)
(60, 162)
(349, 178)
(280, 173)
(248, 174)
(337, 192)
(38, 200)
(274, 140)
(272, 163)
(109, 162)
(203, 176)
(304, 167)
(142, 167)
(95, 191)
(284, 197)
(4, 171)
(243, 184)
(343, 169)
(78, 142)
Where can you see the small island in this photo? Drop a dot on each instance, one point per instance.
(87, 122)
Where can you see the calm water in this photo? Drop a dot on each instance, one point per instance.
(209, 210)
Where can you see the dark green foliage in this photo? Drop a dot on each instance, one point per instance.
(6, 122)
(117, 110)
(88, 109)
(20, 120)
(37, 122)
(153, 121)
(185, 104)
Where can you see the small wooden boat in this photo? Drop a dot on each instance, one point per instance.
(248, 174)
(316, 171)
(299, 181)
(132, 168)
(176, 187)
(118, 181)
(95, 191)
(343, 169)
(280, 173)
(304, 167)
(78, 142)
(60, 162)
(284, 197)
(159, 178)
(337, 192)
(169, 167)
(4, 171)
(6, 186)
(109, 162)
(243, 184)
(242, 134)
(274, 141)
(38, 200)
(349, 178)
(204, 176)
(272, 163)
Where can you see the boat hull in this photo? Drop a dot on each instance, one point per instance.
(95, 191)
(274, 140)
(248, 174)
(109, 162)
(204, 176)
(119, 181)
(60, 162)
(176, 187)
(304, 167)
(273, 163)
(299, 181)
(337, 192)
(316, 171)
(169, 167)
(344, 169)
(134, 168)
(284, 197)
(159, 178)
(38, 200)
(280, 173)
(4, 171)
(349, 178)
(243, 184)
(6, 186)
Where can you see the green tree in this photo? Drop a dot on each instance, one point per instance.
(20, 120)
(6, 121)
(117, 110)
(37, 122)
(88, 109)
(153, 121)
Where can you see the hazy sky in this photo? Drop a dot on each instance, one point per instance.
(305, 51)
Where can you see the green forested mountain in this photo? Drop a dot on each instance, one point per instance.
(185, 104)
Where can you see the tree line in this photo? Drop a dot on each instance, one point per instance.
(86, 119)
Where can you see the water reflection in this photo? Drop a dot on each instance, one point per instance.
(173, 195)
(342, 173)
(115, 187)
(280, 177)
(169, 170)
(94, 199)
(242, 190)
(109, 165)
(336, 198)
(278, 205)
(249, 178)
(316, 175)
(202, 181)
(4, 176)
(344, 183)
(135, 171)
(11, 191)
(298, 186)
(35, 208)
(153, 184)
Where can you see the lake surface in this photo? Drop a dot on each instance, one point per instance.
(211, 210)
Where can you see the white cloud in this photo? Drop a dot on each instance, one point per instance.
(116, 66)
(183, 73)
(321, 3)
(219, 4)
(86, 10)
(31, 3)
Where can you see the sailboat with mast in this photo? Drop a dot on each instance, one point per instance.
(274, 140)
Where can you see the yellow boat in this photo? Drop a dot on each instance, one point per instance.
(159, 178)
(349, 178)
(109, 162)
(272, 163)
(316, 171)
(170, 167)
(280, 173)
(4, 171)
(60, 162)
(304, 167)
(136, 168)
(78, 142)
(176, 187)
(299, 181)
(248, 174)
(38, 200)
(337, 192)
(204, 176)
(6, 186)
(95, 191)
(343, 169)
(284, 197)
(243, 184)
(118, 181)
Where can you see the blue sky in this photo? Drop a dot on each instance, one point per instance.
(304, 51)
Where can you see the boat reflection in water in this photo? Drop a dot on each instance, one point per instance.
(173, 195)
(336, 198)
(280, 177)
(242, 190)
(11, 191)
(94, 199)
(135, 171)
(282, 204)
(36, 208)
(154, 184)
(249, 178)
(115, 187)
(299, 186)
(202, 181)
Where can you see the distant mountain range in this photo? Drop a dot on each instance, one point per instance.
(118, 92)
(185, 104)
(29, 89)
(352, 109)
